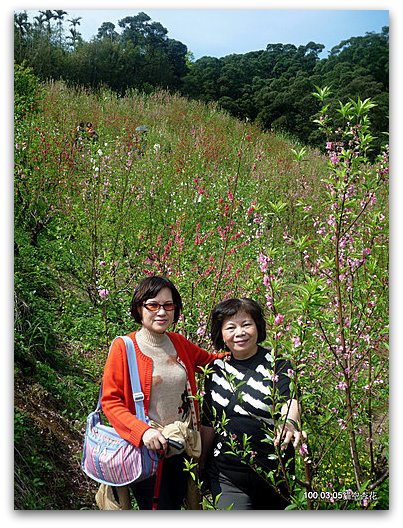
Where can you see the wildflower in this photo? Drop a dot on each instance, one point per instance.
(250, 210)
(342, 385)
(269, 302)
(102, 263)
(341, 423)
(303, 450)
(290, 373)
(257, 218)
(201, 331)
(156, 148)
(264, 262)
(331, 220)
(296, 342)
(103, 293)
(99, 152)
(278, 319)
(334, 159)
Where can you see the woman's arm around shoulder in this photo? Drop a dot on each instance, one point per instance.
(200, 356)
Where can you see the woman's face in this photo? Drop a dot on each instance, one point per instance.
(159, 320)
(240, 334)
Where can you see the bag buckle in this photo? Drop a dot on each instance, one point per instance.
(138, 396)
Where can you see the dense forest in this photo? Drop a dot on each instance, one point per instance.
(271, 86)
(174, 182)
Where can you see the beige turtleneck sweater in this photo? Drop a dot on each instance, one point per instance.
(168, 377)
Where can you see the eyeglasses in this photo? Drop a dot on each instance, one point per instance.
(155, 307)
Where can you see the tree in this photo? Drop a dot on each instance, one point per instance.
(49, 16)
(22, 26)
(107, 30)
(59, 17)
(75, 35)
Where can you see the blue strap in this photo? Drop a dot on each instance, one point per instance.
(138, 395)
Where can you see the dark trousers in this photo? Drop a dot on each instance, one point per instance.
(255, 494)
(172, 490)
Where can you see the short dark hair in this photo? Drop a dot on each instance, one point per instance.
(148, 288)
(230, 307)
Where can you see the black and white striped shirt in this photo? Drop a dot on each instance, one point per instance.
(241, 391)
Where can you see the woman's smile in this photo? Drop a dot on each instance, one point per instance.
(240, 333)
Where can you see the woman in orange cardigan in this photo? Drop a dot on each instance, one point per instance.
(167, 363)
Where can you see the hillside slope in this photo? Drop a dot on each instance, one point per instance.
(198, 196)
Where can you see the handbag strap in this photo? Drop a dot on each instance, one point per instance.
(138, 395)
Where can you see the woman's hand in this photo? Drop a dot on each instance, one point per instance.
(154, 440)
(287, 433)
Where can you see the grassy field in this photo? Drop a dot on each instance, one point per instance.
(224, 210)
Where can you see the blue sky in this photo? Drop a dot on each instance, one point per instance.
(222, 31)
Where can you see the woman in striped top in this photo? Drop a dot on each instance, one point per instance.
(244, 397)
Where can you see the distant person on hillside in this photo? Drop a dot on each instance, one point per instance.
(167, 363)
(84, 132)
(91, 132)
(237, 402)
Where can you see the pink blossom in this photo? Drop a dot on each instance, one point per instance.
(103, 293)
(269, 301)
(258, 218)
(278, 319)
(303, 450)
(341, 423)
(201, 331)
(264, 262)
(296, 341)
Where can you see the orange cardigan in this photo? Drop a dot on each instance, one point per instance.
(117, 399)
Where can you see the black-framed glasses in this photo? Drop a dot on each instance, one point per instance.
(155, 307)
